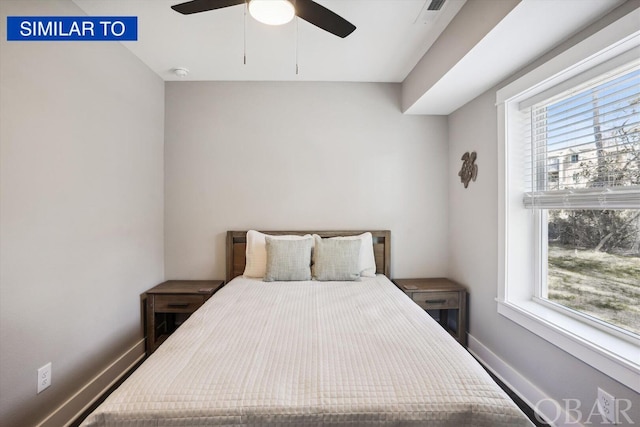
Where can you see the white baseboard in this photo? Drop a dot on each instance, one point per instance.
(82, 400)
(552, 412)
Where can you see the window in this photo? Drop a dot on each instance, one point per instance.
(590, 258)
(553, 173)
(569, 244)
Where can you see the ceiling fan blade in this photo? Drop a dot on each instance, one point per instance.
(197, 6)
(322, 17)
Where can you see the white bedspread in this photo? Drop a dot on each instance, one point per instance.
(309, 354)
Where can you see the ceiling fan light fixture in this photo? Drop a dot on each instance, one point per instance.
(272, 12)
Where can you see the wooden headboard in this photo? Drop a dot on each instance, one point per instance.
(237, 245)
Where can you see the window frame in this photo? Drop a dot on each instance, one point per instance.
(522, 232)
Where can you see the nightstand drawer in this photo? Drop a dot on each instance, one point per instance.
(170, 303)
(443, 299)
(177, 303)
(437, 300)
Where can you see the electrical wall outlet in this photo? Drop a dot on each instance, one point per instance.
(44, 377)
(607, 406)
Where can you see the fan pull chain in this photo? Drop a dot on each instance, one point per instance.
(297, 43)
(246, 5)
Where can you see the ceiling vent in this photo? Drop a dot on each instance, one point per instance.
(436, 5)
(429, 13)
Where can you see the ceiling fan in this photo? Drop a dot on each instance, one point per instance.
(308, 10)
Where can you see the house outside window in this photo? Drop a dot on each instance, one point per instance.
(570, 203)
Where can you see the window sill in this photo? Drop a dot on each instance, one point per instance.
(612, 355)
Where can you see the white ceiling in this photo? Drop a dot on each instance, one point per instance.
(392, 36)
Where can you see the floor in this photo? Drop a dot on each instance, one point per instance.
(528, 411)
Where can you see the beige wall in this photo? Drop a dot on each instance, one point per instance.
(81, 214)
(301, 156)
(473, 260)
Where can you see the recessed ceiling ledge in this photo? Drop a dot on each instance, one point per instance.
(474, 21)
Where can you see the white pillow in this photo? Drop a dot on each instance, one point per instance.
(367, 257)
(256, 252)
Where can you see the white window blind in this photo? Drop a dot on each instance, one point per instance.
(584, 143)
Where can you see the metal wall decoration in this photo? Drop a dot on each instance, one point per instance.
(469, 169)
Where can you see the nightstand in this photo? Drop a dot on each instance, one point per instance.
(444, 299)
(171, 303)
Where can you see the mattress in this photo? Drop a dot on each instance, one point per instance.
(309, 354)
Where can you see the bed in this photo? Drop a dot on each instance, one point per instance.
(309, 353)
